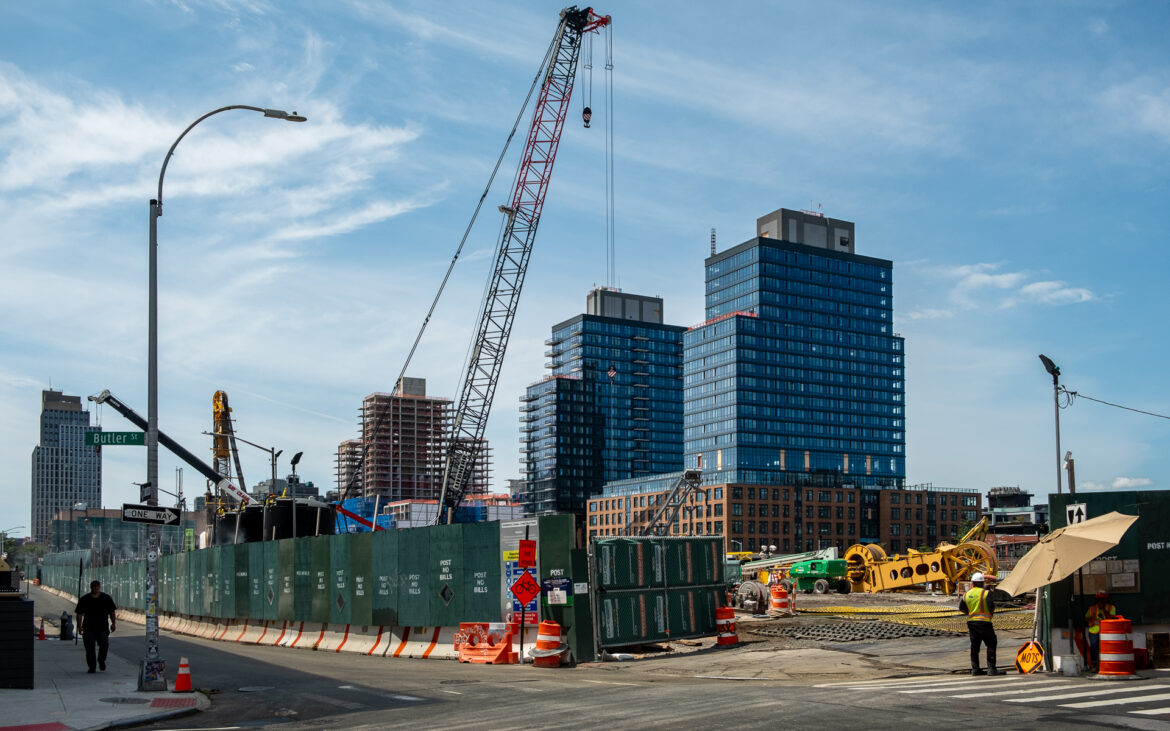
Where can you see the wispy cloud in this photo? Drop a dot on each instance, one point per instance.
(985, 284)
(1142, 104)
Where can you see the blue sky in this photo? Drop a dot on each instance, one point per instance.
(1009, 158)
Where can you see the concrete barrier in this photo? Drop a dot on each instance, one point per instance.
(420, 642)
(334, 636)
(253, 633)
(243, 627)
(310, 637)
(274, 638)
(362, 640)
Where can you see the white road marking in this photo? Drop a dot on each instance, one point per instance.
(1018, 691)
(405, 698)
(1152, 712)
(1119, 701)
(888, 683)
(1087, 693)
(453, 692)
(962, 686)
(608, 682)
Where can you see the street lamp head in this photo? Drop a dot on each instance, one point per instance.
(1052, 368)
(281, 114)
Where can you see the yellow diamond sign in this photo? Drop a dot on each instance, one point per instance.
(1029, 658)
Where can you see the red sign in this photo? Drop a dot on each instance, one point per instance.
(527, 554)
(525, 589)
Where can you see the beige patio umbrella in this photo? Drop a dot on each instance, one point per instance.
(1065, 550)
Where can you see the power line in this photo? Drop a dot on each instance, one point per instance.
(1073, 395)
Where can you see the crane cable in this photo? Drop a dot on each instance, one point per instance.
(611, 247)
(536, 81)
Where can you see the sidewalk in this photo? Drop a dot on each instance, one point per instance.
(67, 697)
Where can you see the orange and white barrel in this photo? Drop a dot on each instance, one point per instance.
(549, 648)
(726, 627)
(780, 603)
(1116, 647)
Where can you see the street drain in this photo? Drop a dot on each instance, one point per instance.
(125, 700)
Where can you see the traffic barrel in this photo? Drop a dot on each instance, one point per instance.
(1116, 648)
(780, 603)
(725, 626)
(549, 648)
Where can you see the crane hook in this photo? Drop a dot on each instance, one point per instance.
(586, 114)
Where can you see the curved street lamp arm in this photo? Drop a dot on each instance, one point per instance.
(276, 113)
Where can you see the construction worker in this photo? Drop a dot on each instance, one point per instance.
(979, 606)
(1101, 610)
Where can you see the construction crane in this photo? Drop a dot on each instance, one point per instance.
(659, 524)
(521, 217)
(224, 439)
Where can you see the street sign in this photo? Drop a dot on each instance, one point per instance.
(1030, 657)
(1075, 513)
(527, 556)
(525, 589)
(149, 514)
(109, 438)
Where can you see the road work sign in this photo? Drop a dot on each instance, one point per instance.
(149, 514)
(525, 589)
(1029, 658)
(1075, 513)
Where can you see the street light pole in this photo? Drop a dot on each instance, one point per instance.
(1054, 371)
(151, 675)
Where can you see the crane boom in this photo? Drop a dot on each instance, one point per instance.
(225, 485)
(522, 215)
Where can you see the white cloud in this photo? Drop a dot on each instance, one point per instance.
(1128, 483)
(985, 285)
(1055, 293)
(930, 314)
(1098, 26)
(1142, 104)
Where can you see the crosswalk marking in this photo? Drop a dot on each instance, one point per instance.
(920, 680)
(1118, 701)
(1086, 693)
(1152, 711)
(1047, 683)
(963, 686)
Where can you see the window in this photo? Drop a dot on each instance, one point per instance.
(840, 512)
(776, 493)
(737, 493)
(737, 526)
(895, 530)
(751, 507)
(751, 493)
(718, 510)
(895, 514)
(895, 498)
(718, 493)
(824, 511)
(737, 508)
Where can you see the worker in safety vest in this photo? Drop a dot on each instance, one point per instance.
(1101, 610)
(979, 606)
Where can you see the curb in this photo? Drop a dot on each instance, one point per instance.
(142, 720)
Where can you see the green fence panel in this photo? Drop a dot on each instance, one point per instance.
(166, 583)
(414, 591)
(693, 561)
(227, 582)
(242, 588)
(181, 606)
(443, 575)
(271, 586)
(384, 550)
(210, 581)
(303, 579)
(286, 579)
(482, 566)
(255, 553)
(321, 578)
(361, 562)
(340, 580)
(627, 563)
(691, 611)
(632, 617)
(199, 583)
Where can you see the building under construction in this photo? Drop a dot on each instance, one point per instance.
(403, 448)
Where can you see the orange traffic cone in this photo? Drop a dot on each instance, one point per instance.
(41, 635)
(183, 679)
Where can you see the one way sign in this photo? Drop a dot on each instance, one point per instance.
(1075, 513)
(149, 514)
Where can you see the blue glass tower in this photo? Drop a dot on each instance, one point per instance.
(612, 407)
(797, 376)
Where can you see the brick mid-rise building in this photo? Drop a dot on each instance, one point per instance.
(793, 519)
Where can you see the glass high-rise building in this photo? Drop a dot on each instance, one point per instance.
(65, 472)
(797, 378)
(611, 407)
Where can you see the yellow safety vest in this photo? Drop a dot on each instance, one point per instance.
(977, 610)
(1095, 614)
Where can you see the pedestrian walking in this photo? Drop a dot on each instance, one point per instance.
(96, 619)
(1101, 610)
(979, 606)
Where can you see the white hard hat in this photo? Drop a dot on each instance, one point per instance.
(976, 577)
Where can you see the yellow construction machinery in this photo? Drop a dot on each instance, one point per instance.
(871, 570)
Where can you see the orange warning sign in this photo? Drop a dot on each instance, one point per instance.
(1029, 658)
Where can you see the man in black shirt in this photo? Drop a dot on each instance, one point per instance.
(93, 610)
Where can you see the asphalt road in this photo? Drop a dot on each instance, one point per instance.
(254, 686)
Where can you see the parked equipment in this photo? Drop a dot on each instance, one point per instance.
(871, 570)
